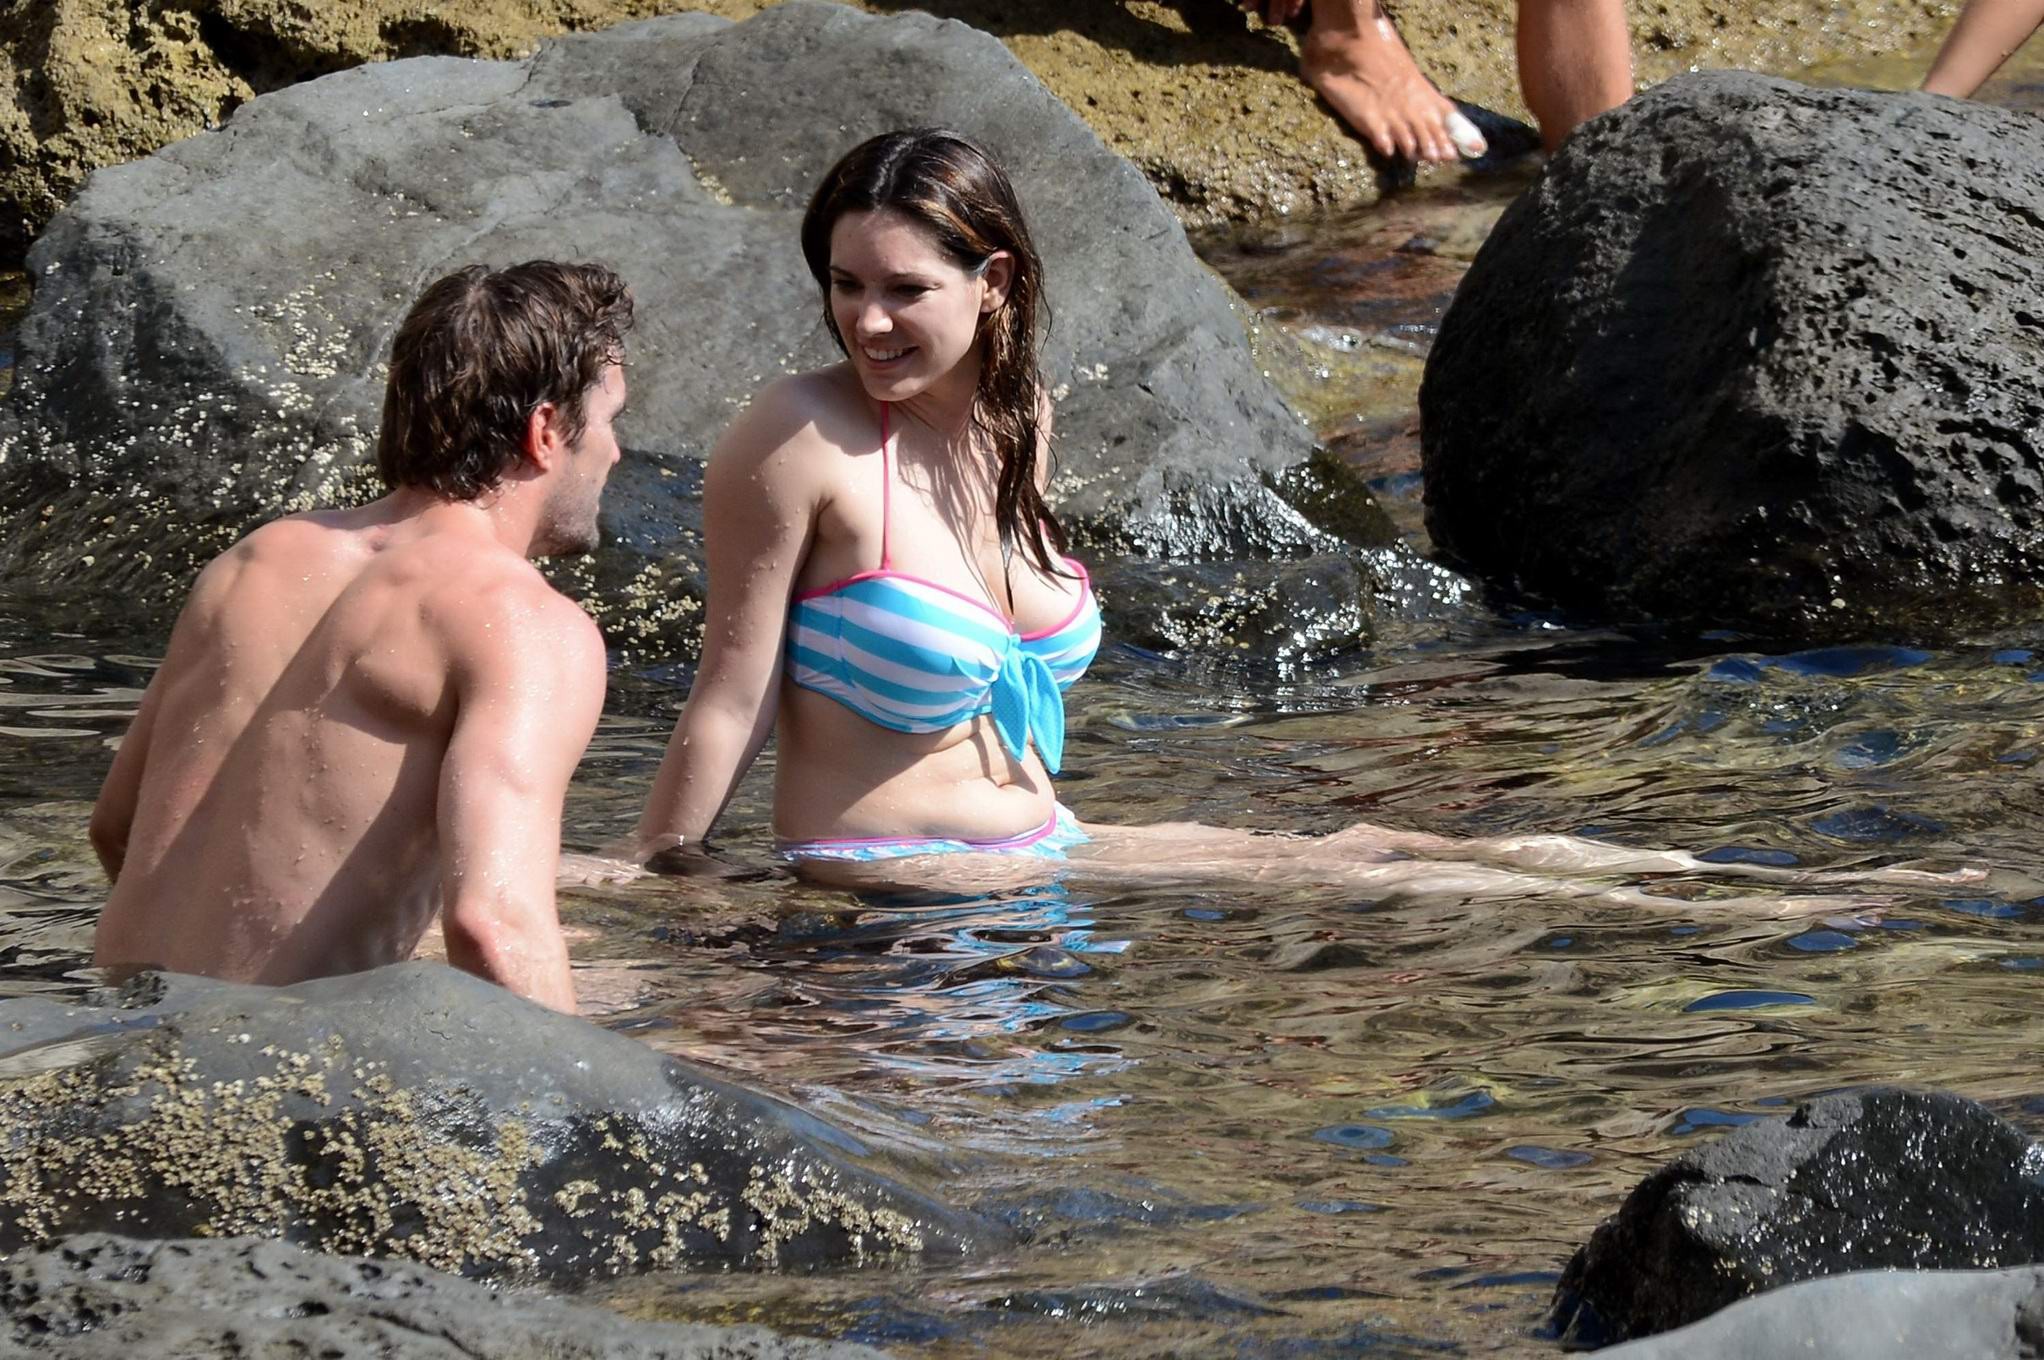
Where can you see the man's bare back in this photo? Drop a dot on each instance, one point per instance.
(365, 716)
(296, 742)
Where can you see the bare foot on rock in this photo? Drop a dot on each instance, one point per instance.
(1360, 66)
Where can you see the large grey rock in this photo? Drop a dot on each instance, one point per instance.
(1873, 1315)
(99, 1297)
(1757, 355)
(208, 323)
(416, 1111)
(1866, 1181)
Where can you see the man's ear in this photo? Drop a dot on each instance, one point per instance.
(998, 274)
(543, 442)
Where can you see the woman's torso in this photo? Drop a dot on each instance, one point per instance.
(906, 617)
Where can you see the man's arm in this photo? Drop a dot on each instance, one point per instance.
(529, 697)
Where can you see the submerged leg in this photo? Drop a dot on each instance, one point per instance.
(1576, 854)
(1402, 865)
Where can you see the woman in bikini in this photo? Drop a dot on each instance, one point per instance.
(888, 592)
(890, 595)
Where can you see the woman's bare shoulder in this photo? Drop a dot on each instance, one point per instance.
(800, 416)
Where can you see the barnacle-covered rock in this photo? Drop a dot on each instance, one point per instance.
(418, 1112)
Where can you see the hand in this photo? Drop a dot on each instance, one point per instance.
(683, 861)
(581, 871)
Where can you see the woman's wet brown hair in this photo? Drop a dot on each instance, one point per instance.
(954, 189)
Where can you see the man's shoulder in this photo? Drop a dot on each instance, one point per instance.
(507, 612)
(283, 548)
(309, 531)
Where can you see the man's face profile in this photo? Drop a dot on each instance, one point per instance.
(571, 526)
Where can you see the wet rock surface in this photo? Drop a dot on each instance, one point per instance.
(1208, 105)
(418, 1112)
(101, 1297)
(1770, 354)
(162, 403)
(1867, 1181)
(1874, 1315)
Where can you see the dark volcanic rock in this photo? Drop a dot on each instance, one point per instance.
(1757, 355)
(1883, 1178)
(208, 326)
(416, 1111)
(1873, 1315)
(99, 1297)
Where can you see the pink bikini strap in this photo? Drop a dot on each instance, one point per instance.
(886, 485)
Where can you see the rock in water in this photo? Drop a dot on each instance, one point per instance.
(98, 1297)
(1872, 1315)
(1876, 1179)
(205, 344)
(1757, 355)
(416, 1111)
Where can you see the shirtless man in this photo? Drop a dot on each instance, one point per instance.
(1575, 61)
(366, 715)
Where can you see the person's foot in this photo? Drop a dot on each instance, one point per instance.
(1370, 78)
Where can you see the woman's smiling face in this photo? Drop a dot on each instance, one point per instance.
(908, 312)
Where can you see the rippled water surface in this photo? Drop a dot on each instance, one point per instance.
(1281, 1120)
(1284, 1120)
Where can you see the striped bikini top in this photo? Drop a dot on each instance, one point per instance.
(914, 656)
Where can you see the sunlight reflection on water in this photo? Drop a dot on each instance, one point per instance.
(1239, 1116)
(1287, 1121)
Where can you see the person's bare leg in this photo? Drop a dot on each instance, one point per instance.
(1578, 855)
(1575, 61)
(1987, 34)
(1354, 57)
(1369, 859)
(1389, 864)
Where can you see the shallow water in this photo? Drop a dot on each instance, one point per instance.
(1286, 1121)
(1283, 1121)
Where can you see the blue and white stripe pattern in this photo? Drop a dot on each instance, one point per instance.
(913, 656)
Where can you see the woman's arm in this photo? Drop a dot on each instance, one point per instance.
(761, 493)
(1987, 33)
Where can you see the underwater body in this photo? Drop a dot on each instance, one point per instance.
(1281, 1120)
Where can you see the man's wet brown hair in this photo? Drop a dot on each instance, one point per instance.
(478, 353)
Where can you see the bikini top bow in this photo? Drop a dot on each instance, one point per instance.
(1028, 707)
